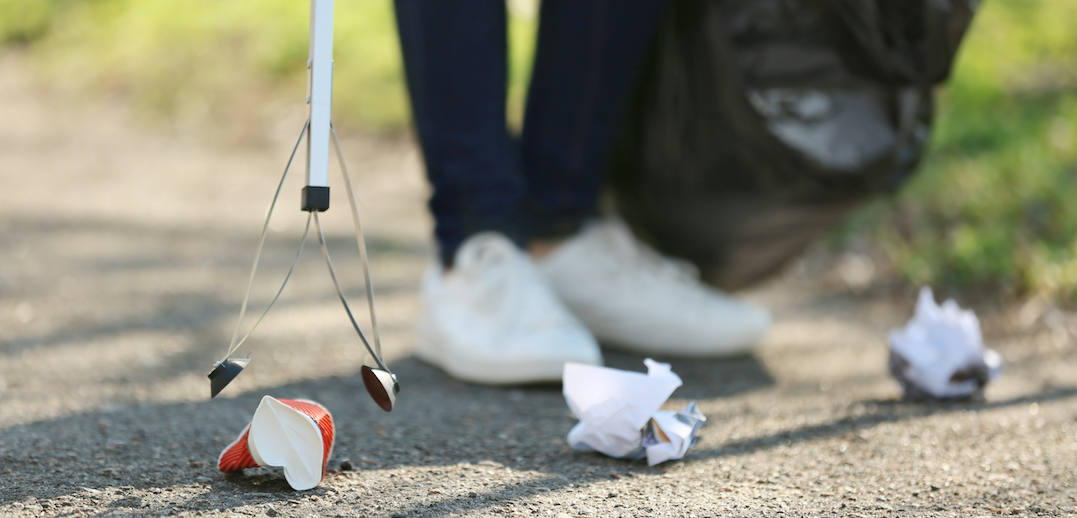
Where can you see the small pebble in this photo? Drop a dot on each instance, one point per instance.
(346, 465)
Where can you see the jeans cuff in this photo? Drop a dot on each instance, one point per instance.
(557, 225)
(513, 228)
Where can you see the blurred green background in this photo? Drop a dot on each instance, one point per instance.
(994, 207)
(228, 58)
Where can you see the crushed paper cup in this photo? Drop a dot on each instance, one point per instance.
(619, 412)
(939, 354)
(294, 434)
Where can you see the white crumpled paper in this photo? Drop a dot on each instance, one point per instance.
(619, 412)
(940, 353)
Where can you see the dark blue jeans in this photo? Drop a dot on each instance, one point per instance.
(546, 183)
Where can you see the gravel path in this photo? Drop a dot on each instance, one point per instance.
(123, 256)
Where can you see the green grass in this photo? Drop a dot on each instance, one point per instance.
(24, 20)
(224, 60)
(995, 205)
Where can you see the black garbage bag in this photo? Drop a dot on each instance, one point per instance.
(760, 124)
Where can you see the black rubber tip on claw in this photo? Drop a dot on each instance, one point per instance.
(382, 386)
(224, 373)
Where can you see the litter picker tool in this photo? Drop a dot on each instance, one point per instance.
(320, 135)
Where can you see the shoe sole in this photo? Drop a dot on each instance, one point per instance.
(732, 344)
(728, 351)
(493, 373)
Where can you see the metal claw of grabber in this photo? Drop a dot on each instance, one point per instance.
(380, 381)
(382, 386)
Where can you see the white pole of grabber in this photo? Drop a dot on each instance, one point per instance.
(320, 99)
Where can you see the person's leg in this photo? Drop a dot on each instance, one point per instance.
(587, 59)
(490, 318)
(455, 62)
(629, 296)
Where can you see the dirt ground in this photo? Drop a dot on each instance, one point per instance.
(124, 254)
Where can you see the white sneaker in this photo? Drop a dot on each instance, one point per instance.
(631, 297)
(492, 319)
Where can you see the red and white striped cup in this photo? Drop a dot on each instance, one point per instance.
(294, 434)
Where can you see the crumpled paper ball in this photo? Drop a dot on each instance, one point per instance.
(939, 354)
(619, 412)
